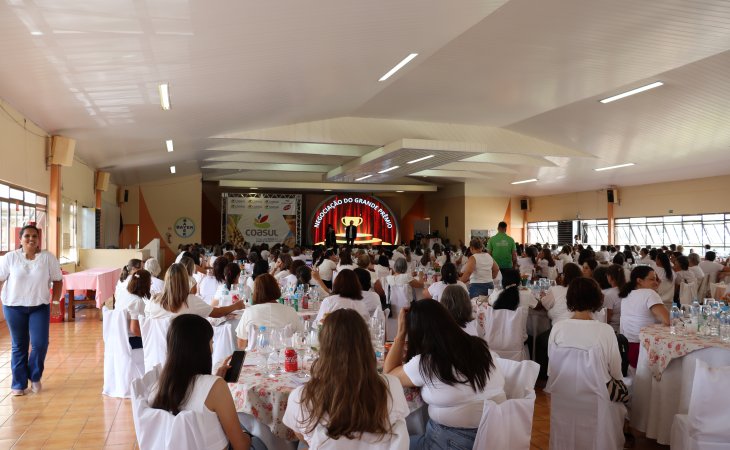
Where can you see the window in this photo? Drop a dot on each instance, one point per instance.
(542, 232)
(69, 249)
(19, 207)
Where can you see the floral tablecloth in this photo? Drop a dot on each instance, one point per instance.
(662, 346)
(265, 398)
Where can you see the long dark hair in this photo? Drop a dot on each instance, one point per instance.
(447, 352)
(219, 267)
(639, 272)
(326, 255)
(449, 275)
(132, 265)
(509, 298)
(140, 283)
(188, 355)
(618, 274)
(231, 273)
(260, 267)
(664, 262)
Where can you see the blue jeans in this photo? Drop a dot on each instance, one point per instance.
(441, 437)
(477, 289)
(28, 325)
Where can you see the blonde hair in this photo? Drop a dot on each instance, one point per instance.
(177, 288)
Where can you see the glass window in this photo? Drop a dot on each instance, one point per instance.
(19, 207)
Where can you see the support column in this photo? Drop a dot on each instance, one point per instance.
(610, 223)
(508, 217)
(55, 209)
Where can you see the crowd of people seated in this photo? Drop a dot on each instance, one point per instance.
(437, 346)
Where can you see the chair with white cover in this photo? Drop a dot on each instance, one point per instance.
(397, 441)
(154, 340)
(505, 425)
(705, 426)
(703, 290)
(559, 263)
(122, 364)
(582, 416)
(399, 296)
(688, 292)
(506, 332)
(600, 315)
(718, 290)
(224, 341)
(159, 429)
(207, 288)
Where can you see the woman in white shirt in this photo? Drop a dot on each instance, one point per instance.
(665, 276)
(584, 297)
(546, 265)
(611, 279)
(177, 299)
(265, 311)
(527, 261)
(281, 268)
(370, 298)
(186, 384)
(189, 264)
(448, 277)
(153, 267)
(554, 300)
(640, 306)
(25, 275)
(133, 301)
(231, 275)
(456, 300)
(346, 399)
(346, 261)
(479, 270)
(682, 274)
(565, 255)
(132, 266)
(511, 296)
(456, 373)
(346, 293)
(326, 265)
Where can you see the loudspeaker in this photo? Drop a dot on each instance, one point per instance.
(102, 181)
(62, 150)
(122, 196)
(525, 204)
(612, 195)
(446, 221)
(126, 196)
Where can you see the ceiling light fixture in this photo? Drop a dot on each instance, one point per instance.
(399, 192)
(36, 33)
(172, 169)
(421, 159)
(600, 169)
(168, 143)
(328, 190)
(389, 169)
(632, 92)
(531, 180)
(254, 188)
(398, 66)
(165, 96)
(363, 178)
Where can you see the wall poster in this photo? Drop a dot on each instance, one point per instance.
(262, 218)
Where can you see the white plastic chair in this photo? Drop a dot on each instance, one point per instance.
(399, 296)
(121, 363)
(505, 425)
(506, 332)
(705, 426)
(154, 340)
(688, 292)
(207, 287)
(704, 288)
(559, 263)
(582, 416)
(158, 429)
(224, 341)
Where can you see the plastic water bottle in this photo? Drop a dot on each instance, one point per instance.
(694, 317)
(725, 326)
(675, 319)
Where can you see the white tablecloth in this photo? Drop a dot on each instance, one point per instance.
(655, 403)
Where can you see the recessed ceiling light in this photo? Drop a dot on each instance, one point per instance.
(398, 66)
(36, 33)
(172, 169)
(389, 169)
(363, 178)
(168, 143)
(165, 96)
(632, 92)
(254, 188)
(421, 159)
(399, 191)
(328, 190)
(531, 180)
(613, 167)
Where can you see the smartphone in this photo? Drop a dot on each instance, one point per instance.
(234, 372)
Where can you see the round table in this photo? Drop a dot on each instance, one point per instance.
(662, 386)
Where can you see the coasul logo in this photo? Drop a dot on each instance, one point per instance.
(261, 222)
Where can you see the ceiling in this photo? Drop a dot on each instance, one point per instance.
(284, 95)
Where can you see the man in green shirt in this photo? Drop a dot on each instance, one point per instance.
(502, 248)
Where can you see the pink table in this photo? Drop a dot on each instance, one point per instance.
(101, 280)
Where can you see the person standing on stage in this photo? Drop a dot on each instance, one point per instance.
(351, 234)
(25, 277)
(502, 248)
(330, 238)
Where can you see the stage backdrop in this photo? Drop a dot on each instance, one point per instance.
(376, 223)
(262, 218)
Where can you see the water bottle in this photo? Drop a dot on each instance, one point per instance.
(725, 326)
(675, 319)
(694, 317)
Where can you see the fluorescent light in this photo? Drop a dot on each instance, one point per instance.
(421, 159)
(398, 66)
(328, 190)
(254, 188)
(389, 169)
(531, 180)
(399, 191)
(169, 145)
(172, 169)
(363, 178)
(613, 167)
(632, 92)
(165, 96)
(36, 33)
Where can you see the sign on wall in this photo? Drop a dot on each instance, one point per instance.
(262, 218)
(184, 227)
(376, 223)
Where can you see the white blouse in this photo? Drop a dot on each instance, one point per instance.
(28, 281)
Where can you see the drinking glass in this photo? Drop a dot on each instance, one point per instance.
(278, 342)
(299, 342)
(264, 347)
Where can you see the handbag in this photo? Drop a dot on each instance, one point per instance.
(617, 391)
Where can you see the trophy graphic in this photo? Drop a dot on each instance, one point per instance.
(357, 221)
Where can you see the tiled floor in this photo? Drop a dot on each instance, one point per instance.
(70, 412)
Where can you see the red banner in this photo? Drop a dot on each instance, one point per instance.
(375, 222)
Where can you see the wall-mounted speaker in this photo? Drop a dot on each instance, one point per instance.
(612, 195)
(126, 196)
(525, 204)
(122, 196)
(62, 150)
(102, 181)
